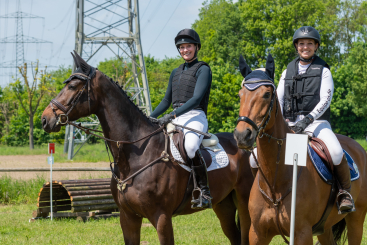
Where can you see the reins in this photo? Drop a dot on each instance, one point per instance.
(63, 119)
(260, 132)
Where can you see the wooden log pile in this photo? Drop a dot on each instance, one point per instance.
(76, 198)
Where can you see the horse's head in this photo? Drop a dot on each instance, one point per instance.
(257, 97)
(74, 100)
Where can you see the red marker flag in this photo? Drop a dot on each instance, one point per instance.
(51, 148)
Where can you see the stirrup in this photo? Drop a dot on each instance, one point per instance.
(199, 201)
(344, 192)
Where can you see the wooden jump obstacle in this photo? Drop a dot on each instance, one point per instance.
(77, 198)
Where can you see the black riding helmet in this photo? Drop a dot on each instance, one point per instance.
(187, 36)
(306, 32)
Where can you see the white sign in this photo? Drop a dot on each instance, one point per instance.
(296, 143)
(50, 160)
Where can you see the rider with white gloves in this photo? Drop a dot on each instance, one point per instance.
(305, 92)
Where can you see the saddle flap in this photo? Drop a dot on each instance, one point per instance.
(178, 138)
(207, 157)
(321, 149)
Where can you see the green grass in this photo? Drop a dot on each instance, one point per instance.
(200, 228)
(88, 153)
(13, 191)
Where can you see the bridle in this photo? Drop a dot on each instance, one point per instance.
(63, 119)
(260, 132)
(260, 129)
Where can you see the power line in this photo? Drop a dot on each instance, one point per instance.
(145, 10)
(165, 25)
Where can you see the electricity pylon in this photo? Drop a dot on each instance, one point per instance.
(121, 37)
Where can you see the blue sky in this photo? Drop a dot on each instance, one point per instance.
(58, 27)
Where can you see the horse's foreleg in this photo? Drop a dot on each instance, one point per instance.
(163, 224)
(303, 236)
(130, 225)
(256, 237)
(327, 238)
(226, 213)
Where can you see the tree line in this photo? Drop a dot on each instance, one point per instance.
(251, 28)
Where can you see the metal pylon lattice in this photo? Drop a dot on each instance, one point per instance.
(19, 39)
(112, 24)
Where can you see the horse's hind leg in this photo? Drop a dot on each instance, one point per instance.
(130, 225)
(355, 223)
(226, 213)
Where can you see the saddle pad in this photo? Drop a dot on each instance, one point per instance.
(325, 173)
(219, 157)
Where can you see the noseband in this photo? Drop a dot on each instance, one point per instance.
(63, 119)
(260, 129)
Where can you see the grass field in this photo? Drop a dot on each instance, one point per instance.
(200, 228)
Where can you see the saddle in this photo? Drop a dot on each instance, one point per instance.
(178, 139)
(321, 149)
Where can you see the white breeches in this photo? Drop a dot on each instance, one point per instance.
(195, 119)
(320, 129)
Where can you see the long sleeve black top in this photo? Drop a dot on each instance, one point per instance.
(203, 82)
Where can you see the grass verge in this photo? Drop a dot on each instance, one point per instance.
(13, 191)
(88, 153)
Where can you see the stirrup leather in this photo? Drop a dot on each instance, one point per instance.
(199, 201)
(343, 192)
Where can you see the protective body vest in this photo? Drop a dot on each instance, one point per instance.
(183, 86)
(302, 91)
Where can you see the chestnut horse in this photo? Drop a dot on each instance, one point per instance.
(157, 191)
(312, 191)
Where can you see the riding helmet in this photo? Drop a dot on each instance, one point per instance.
(187, 36)
(306, 32)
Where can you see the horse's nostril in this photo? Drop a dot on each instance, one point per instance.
(44, 122)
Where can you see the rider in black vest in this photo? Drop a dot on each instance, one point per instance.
(305, 91)
(188, 91)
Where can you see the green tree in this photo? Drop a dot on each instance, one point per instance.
(349, 105)
(30, 93)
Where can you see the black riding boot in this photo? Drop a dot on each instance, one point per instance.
(201, 176)
(345, 200)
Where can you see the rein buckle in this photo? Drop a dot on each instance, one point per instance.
(165, 158)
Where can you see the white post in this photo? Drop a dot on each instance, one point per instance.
(51, 184)
(294, 190)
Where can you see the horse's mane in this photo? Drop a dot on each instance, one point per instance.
(127, 96)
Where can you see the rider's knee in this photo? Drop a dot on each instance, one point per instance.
(337, 156)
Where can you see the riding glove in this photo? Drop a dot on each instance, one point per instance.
(165, 119)
(302, 124)
(153, 119)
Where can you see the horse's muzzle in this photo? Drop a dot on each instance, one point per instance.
(245, 139)
(48, 121)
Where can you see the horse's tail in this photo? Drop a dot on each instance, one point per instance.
(339, 230)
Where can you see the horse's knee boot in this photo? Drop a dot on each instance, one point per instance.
(201, 177)
(346, 203)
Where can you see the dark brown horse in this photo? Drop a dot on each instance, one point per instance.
(312, 191)
(156, 192)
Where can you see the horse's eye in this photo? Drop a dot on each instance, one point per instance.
(266, 95)
(71, 87)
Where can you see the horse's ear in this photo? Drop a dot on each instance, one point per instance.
(244, 68)
(75, 60)
(82, 64)
(270, 66)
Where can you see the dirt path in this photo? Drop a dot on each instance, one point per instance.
(37, 161)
